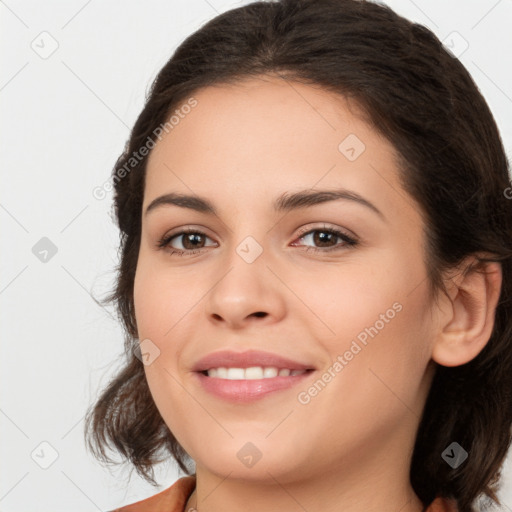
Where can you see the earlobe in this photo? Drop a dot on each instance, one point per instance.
(468, 320)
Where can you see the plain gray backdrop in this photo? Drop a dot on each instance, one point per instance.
(72, 83)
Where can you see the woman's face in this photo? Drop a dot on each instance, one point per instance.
(266, 272)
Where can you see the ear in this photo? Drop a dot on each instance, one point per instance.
(467, 315)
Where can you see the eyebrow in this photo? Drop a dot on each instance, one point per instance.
(284, 203)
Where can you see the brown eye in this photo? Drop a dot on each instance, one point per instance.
(326, 239)
(191, 240)
(184, 241)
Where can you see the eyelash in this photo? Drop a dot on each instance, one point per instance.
(348, 241)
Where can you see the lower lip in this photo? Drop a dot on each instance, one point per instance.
(249, 390)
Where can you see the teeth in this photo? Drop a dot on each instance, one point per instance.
(254, 372)
(270, 372)
(235, 373)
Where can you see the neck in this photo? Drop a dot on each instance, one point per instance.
(275, 499)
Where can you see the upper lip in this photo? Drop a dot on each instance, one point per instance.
(230, 359)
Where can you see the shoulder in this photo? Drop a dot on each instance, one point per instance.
(442, 505)
(172, 499)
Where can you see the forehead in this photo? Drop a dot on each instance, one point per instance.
(266, 135)
(270, 116)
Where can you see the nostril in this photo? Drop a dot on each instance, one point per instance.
(260, 313)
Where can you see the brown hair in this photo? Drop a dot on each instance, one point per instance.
(452, 162)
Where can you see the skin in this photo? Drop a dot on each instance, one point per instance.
(349, 448)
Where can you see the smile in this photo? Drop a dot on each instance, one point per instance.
(251, 373)
(243, 385)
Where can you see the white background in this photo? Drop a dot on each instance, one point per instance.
(65, 119)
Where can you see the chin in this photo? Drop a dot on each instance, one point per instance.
(258, 461)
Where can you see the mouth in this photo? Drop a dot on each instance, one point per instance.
(250, 375)
(245, 385)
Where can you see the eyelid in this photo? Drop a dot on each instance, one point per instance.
(307, 229)
(188, 228)
(165, 240)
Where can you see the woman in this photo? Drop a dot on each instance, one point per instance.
(315, 269)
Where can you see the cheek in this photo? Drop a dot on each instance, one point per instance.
(386, 352)
(374, 390)
(376, 319)
(161, 299)
(346, 300)
(162, 302)
(146, 297)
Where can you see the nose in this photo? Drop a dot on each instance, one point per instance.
(246, 293)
